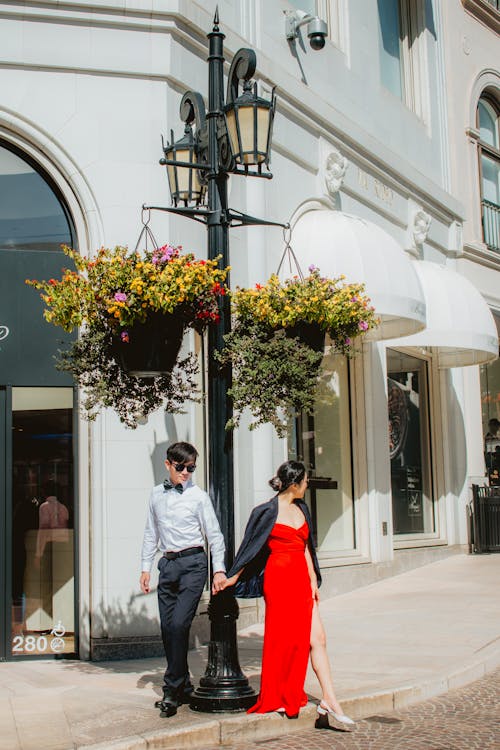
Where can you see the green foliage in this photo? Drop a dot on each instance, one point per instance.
(274, 376)
(105, 384)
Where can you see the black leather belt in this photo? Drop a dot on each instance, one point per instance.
(183, 553)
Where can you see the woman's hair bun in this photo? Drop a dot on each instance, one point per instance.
(291, 472)
(275, 483)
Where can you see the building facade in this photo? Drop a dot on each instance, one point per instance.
(385, 174)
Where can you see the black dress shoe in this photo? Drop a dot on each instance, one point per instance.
(168, 697)
(168, 708)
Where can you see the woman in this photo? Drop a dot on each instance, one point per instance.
(278, 541)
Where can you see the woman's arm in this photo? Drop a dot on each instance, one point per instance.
(312, 575)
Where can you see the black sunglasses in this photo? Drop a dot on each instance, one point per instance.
(188, 467)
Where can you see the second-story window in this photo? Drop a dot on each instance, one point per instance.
(403, 57)
(489, 169)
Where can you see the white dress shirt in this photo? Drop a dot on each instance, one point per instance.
(177, 521)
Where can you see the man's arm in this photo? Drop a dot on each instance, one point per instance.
(149, 548)
(215, 540)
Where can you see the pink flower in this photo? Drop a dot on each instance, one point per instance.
(348, 341)
(124, 337)
(164, 254)
(363, 325)
(120, 297)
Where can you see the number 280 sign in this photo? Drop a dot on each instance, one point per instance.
(32, 644)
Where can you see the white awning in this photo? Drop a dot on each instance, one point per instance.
(460, 326)
(339, 243)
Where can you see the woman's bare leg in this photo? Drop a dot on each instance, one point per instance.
(320, 662)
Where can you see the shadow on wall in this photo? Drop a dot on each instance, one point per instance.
(457, 456)
(160, 450)
(119, 631)
(113, 620)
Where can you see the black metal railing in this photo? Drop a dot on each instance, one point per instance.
(484, 516)
(491, 224)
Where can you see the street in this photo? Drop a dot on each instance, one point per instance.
(464, 719)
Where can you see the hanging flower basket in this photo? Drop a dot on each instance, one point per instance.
(149, 349)
(309, 334)
(132, 310)
(277, 341)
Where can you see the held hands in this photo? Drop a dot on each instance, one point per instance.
(224, 583)
(144, 582)
(218, 582)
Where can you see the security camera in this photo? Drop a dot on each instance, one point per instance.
(317, 29)
(316, 32)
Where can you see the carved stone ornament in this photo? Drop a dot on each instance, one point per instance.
(421, 224)
(336, 167)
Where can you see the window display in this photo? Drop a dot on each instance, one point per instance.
(409, 444)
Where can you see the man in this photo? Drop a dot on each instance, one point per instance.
(493, 428)
(180, 518)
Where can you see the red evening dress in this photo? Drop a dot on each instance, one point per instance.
(287, 627)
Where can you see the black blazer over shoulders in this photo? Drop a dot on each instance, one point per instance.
(253, 551)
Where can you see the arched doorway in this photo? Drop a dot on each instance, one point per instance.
(37, 435)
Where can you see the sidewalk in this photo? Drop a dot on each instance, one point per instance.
(395, 642)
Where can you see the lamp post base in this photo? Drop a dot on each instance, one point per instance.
(224, 687)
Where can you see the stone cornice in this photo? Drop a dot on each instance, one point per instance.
(479, 253)
(485, 12)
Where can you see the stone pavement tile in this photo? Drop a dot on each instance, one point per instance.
(41, 724)
(184, 738)
(9, 738)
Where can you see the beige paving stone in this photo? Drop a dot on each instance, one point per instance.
(9, 738)
(208, 733)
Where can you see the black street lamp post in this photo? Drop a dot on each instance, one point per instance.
(231, 138)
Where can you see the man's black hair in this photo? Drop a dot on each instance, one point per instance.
(181, 453)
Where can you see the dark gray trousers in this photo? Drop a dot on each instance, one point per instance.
(180, 586)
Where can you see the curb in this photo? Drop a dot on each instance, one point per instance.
(243, 727)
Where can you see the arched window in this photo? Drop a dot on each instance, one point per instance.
(489, 169)
(34, 223)
(33, 215)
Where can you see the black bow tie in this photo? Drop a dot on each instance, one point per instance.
(167, 484)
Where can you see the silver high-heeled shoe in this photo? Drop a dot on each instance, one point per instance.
(325, 711)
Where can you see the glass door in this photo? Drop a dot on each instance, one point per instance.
(40, 514)
(322, 440)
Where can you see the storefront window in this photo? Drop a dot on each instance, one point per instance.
(409, 444)
(42, 522)
(490, 408)
(323, 441)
